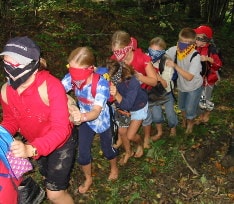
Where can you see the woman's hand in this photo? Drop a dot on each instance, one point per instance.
(19, 149)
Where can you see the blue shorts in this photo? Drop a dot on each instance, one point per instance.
(140, 114)
(155, 113)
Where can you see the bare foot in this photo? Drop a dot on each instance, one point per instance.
(189, 130)
(146, 143)
(113, 175)
(198, 120)
(85, 186)
(156, 137)
(139, 151)
(173, 132)
(206, 117)
(184, 124)
(125, 158)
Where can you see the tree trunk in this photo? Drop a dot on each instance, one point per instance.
(216, 10)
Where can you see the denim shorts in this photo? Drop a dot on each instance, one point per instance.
(140, 114)
(57, 166)
(156, 113)
(188, 102)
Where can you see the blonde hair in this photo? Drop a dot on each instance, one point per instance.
(188, 33)
(159, 42)
(82, 56)
(120, 39)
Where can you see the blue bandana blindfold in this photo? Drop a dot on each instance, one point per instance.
(155, 54)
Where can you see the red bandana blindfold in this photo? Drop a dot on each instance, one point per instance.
(120, 54)
(80, 75)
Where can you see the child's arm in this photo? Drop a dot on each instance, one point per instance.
(92, 115)
(186, 75)
(75, 114)
(150, 78)
(163, 82)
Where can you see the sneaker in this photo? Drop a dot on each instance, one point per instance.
(209, 105)
(202, 102)
(30, 192)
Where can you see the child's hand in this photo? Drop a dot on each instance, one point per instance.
(170, 63)
(113, 90)
(76, 116)
(203, 58)
(206, 58)
(138, 76)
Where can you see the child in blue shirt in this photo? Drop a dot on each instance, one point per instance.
(94, 113)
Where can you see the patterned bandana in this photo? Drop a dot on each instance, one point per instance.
(18, 74)
(182, 45)
(182, 53)
(155, 54)
(120, 54)
(115, 79)
(80, 75)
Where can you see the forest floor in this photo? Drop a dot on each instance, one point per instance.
(180, 169)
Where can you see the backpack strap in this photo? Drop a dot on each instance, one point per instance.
(5, 175)
(194, 55)
(212, 49)
(162, 64)
(175, 60)
(95, 80)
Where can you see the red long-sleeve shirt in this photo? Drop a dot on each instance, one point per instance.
(45, 127)
(212, 77)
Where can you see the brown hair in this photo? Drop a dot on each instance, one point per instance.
(120, 39)
(158, 41)
(113, 67)
(83, 56)
(43, 64)
(188, 33)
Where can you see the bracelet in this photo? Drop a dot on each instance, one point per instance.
(34, 151)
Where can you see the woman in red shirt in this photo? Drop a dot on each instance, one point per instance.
(34, 104)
